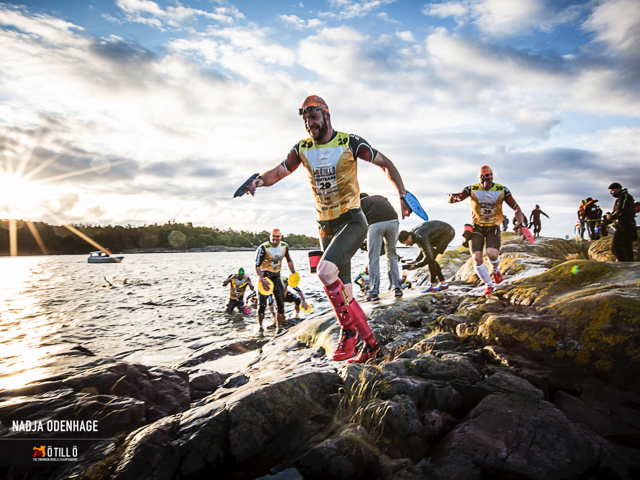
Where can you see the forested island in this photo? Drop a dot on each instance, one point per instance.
(58, 239)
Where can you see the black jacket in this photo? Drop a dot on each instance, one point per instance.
(377, 209)
(624, 211)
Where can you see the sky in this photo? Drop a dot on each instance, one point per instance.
(136, 112)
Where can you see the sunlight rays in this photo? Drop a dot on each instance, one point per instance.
(18, 193)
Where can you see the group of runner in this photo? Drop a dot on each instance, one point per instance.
(330, 160)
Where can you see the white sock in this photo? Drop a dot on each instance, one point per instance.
(495, 263)
(483, 273)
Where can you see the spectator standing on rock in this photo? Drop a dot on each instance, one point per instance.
(535, 219)
(581, 218)
(592, 214)
(383, 227)
(623, 217)
(486, 214)
(432, 237)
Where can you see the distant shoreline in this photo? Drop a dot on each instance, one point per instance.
(209, 249)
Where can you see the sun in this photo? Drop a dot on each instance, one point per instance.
(17, 194)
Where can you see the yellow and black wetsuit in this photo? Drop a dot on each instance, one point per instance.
(236, 294)
(486, 214)
(333, 174)
(269, 260)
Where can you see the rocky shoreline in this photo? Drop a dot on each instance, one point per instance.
(539, 380)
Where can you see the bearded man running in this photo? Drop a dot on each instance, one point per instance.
(330, 159)
(486, 214)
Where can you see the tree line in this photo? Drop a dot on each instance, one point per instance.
(171, 236)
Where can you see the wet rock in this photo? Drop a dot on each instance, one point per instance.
(204, 382)
(350, 454)
(216, 350)
(262, 422)
(235, 381)
(600, 250)
(150, 454)
(430, 367)
(450, 322)
(121, 396)
(163, 390)
(586, 319)
(515, 435)
(390, 467)
(435, 423)
(439, 341)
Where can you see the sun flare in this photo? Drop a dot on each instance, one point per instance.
(17, 193)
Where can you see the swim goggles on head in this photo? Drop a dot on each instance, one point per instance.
(309, 109)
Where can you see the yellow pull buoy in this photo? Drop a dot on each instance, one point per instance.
(262, 290)
(294, 280)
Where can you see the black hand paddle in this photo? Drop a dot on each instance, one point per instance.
(241, 190)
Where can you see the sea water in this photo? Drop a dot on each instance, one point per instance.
(152, 309)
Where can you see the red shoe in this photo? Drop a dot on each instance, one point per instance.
(487, 290)
(346, 346)
(497, 276)
(367, 352)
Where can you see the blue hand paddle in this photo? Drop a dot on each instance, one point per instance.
(241, 191)
(414, 204)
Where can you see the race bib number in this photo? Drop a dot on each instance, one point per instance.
(326, 181)
(487, 211)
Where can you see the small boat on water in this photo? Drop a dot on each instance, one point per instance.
(102, 257)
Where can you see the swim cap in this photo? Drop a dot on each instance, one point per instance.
(314, 101)
(276, 233)
(241, 271)
(615, 186)
(484, 170)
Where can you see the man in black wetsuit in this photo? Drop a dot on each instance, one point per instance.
(623, 217)
(330, 160)
(432, 237)
(383, 226)
(535, 219)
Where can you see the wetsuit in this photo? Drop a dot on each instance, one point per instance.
(332, 172)
(363, 281)
(592, 214)
(269, 260)
(535, 219)
(383, 226)
(432, 237)
(236, 293)
(624, 218)
(486, 215)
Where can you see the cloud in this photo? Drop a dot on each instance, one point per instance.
(300, 24)
(352, 9)
(150, 13)
(217, 102)
(616, 23)
(504, 17)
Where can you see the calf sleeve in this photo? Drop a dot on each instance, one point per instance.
(495, 263)
(483, 273)
(360, 321)
(338, 296)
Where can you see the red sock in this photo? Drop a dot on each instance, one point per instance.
(360, 321)
(337, 294)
